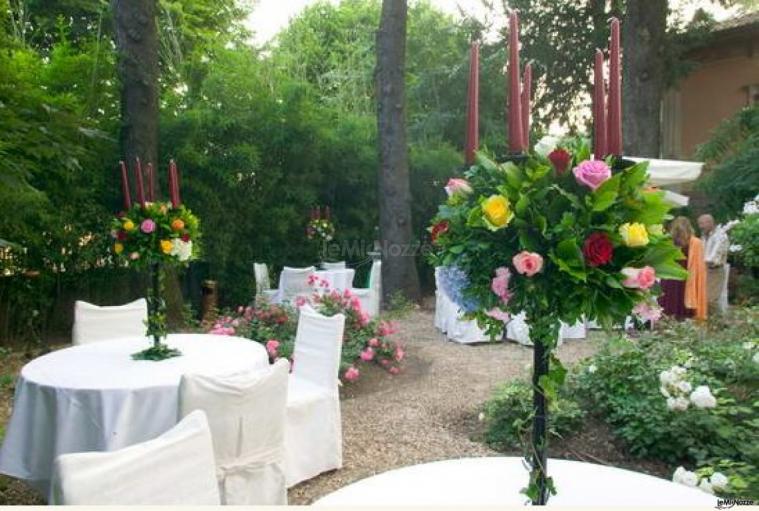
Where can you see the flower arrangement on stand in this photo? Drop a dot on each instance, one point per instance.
(320, 228)
(560, 237)
(151, 235)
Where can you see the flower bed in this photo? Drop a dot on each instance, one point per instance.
(273, 325)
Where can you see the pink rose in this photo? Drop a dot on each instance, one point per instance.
(592, 173)
(147, 226)
(500, 283)
(272, 345)
(351, 374)
(300, 301)
(498, 314)
(639, 278)
(399, 353)
(456, 185)
(394, 370)
(367, 355)
(528, 263)
(374, 342)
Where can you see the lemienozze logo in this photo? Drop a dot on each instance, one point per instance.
(729, 503)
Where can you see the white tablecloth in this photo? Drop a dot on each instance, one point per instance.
(340, 279)
(497, 482)
(94, 397)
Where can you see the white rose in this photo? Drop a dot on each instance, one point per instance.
(689, 478)
(481, 417)
(677, 477)
(735, 247)
(592, 368)
(683, 386)
(664, 391)
(182, 250)
(702, 397)
(706, 486)
(719, 481)
(666, 378)
(678, 371)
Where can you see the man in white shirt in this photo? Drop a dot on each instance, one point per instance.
(716, 246)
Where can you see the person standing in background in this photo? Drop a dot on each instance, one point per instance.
(686, 299)
(716, 246)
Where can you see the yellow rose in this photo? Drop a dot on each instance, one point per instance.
(497, 210)
(656, 229)
(128, 225)
(634, 234)
(118, 247)
(177, 224)
(166, 246)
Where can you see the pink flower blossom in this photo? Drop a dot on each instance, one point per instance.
(386, 328)
(134, 256)
(592, 173)
(394, 370)
(351, 374)
(147, 226)
(300, 301)
(457, 185)
(648, 311)
(385, 362)
(528, 263)
(272, 345)
(500, 283)
(363, 318)
(639, 278)
(374, 342)
(400, 353)
(498, 314)
(367, 355)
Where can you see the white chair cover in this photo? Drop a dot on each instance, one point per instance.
(177, 468)
(246, 412)
(448, 319)
(518, 330)
(93, 323)
(313, 432)
(340, 279)
(339, 265)
(263, 282)
(293, 282)
(371, 297)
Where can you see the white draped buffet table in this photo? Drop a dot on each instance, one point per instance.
(498, 481)
(94, 397)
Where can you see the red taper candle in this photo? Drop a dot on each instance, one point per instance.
(173, 183)
(614, 142)
(526, 96)
(599, 108)
(125, 186)
(473, 108)
(140, 184)
(516, 139)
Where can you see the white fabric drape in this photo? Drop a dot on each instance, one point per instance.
(177, 468)
(94, 397)
(371, 297)
(246, 412)
(448, 319)
(93, 323)
(263, 282)
(518, 330)
(313, 432)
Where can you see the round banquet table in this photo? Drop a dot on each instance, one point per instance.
(498, 481)
(340, 279)
(94, 397)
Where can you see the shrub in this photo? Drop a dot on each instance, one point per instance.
(644, 388)
(508, 415)
(274, 326)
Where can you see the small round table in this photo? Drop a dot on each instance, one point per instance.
(94, 397)
(497, 482)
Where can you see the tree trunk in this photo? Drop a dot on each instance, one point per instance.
(643, 40)
(399, 272)
(136, 34)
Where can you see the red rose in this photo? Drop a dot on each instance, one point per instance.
(598, 249)
(185, 237)
(560, 159)
(121, 235)
(438, 229)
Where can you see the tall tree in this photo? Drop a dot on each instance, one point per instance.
(399, 271)
(643, 82)
(136, 33)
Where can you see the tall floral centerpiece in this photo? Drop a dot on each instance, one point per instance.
(560, 237)
(320, 228)
(152, 234)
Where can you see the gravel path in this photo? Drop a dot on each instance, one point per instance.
(425, 413)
